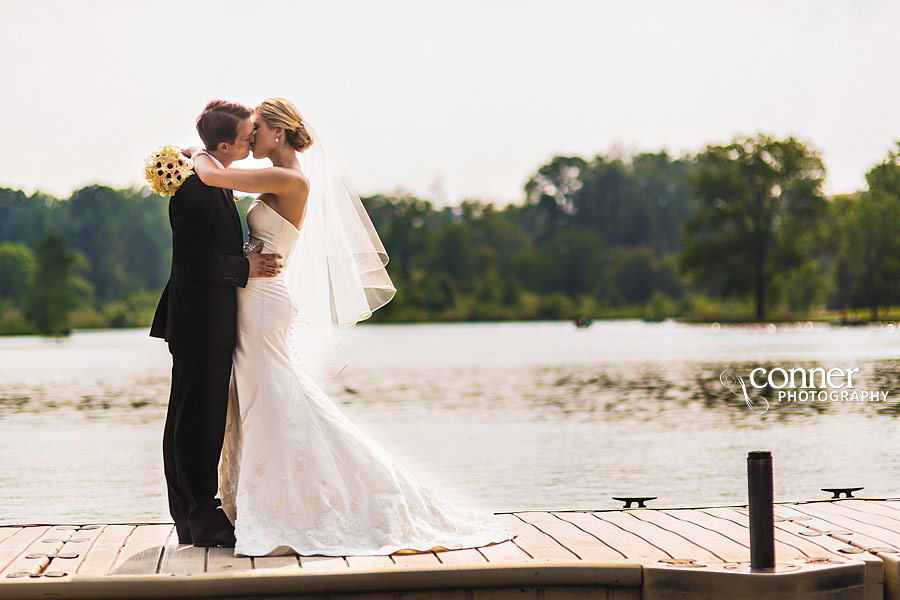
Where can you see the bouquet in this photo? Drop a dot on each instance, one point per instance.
(166, 169)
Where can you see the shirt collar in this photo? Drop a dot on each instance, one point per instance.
(216, 160)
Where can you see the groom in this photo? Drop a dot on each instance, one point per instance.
(197, 316)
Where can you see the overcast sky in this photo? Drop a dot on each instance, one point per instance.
(447, 99)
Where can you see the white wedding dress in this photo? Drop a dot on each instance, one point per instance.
(295, 474)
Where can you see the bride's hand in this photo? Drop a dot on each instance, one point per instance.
(189, 152)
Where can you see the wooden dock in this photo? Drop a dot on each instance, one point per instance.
(834, 549)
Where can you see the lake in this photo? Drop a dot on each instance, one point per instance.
(497, 415)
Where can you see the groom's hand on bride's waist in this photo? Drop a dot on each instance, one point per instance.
(263, 265)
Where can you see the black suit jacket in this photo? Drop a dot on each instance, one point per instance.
(199, 305)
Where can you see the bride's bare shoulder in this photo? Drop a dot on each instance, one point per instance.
(300, 177)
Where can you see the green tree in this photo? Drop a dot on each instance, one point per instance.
(663, 186)
(25, 218)
(758, 212)
(437, 291)
(402, 224)
(16, 270)
(573, 262)
(869, 261)
(630, 201)
(97, 222)
(550, 195)
(57, 287)
(451, 251)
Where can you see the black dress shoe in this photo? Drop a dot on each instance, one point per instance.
(224, 539)
(184, 535)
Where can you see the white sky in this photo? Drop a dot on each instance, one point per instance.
(447, 99)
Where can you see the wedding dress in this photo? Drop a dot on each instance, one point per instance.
(295, 474)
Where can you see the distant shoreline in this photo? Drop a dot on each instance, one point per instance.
(892, 318)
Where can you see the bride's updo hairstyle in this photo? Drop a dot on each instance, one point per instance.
(279, 112)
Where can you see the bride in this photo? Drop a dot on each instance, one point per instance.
(296, 476)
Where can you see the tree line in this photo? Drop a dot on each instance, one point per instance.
(736, 231)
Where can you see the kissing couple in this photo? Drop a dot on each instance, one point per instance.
(256, 456)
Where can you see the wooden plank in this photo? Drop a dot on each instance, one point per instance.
(141, 552)
(422, 560)
(284, 562)
(860, 519)
(738, 533)
(630, 545)
(798, 523)
(465, 557)
(830, 543)
(793, 515)
(504, 552)
(102, 554)
(323, 564)
(74, 550)
(876, 536)
(535, 542)
(223, 560)
(14, 545)
(8, 532)
(675, 545)
(369, 562)
(715, 543)
(579, 542)
(181, 559)
(34, 558)
(893, 505)
(787, 533)
(873, 507)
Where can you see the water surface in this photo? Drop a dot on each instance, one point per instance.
(499, 415)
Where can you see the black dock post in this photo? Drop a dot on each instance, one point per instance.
(762, 509)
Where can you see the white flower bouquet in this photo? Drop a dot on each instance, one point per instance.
(166, 169)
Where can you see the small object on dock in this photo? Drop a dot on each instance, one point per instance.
(818, 560)
(851, 550)
(682, 562)
(878, 549)
(629, 500)
(838, 491)
(583, 322)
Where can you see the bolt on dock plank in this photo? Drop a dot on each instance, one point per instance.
(835, 549)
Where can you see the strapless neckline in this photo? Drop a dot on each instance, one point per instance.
(280, 216)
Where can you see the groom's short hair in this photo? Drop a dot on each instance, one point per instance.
(219, 122)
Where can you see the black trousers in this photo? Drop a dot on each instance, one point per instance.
(192, 440)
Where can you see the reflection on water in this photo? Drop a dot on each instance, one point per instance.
(499, 415)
